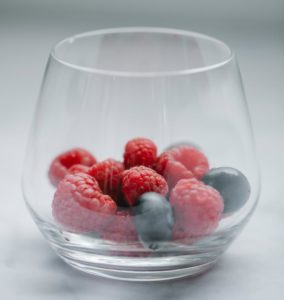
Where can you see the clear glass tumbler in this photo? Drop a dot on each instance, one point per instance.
(179, 89)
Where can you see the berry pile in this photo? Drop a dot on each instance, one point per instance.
(148, 197)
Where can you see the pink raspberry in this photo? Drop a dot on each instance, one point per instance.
(171, 169)
(197, 208)
(192, 158)
(139, 180)
(60, 165)
(79, 204)
(140, 152)
(183, 162)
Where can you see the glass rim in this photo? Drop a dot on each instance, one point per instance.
(161, 30)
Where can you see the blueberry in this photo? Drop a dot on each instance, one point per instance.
(231, 184)
(153, 219)
(180, 144)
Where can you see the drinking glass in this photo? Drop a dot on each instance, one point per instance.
(106, 87)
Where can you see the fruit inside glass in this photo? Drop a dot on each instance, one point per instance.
(141, 163)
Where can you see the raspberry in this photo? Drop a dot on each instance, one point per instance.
(192, 158)
(60, 165)
(183, 162)
(197, 208)
(139, 180)
(79, 204)
(121, 228)
(108, 173)
(140, 152)
(172, 170)
(189, 183)
(78, 169)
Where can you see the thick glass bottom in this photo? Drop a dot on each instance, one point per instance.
(138, 275)
(130, 262)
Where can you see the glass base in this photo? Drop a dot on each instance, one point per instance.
(139, 276)
(136, 266)
(129, 263)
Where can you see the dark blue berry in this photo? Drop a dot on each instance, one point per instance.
(231, 184)
(153, 220)
(180, 144)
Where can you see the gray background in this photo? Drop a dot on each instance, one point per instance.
(253, 267)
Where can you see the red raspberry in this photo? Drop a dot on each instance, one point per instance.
(183, 162)
(171, 169)
(60, 165)
(79, 204)
(139, 180)
(108, 173)
(121, 228)
(78, 169)
(197, 208)
(140, 152)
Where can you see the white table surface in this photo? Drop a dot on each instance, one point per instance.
(252, 268)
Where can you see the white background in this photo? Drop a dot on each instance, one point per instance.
(253, 267)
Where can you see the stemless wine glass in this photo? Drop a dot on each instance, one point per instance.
(106, 87)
